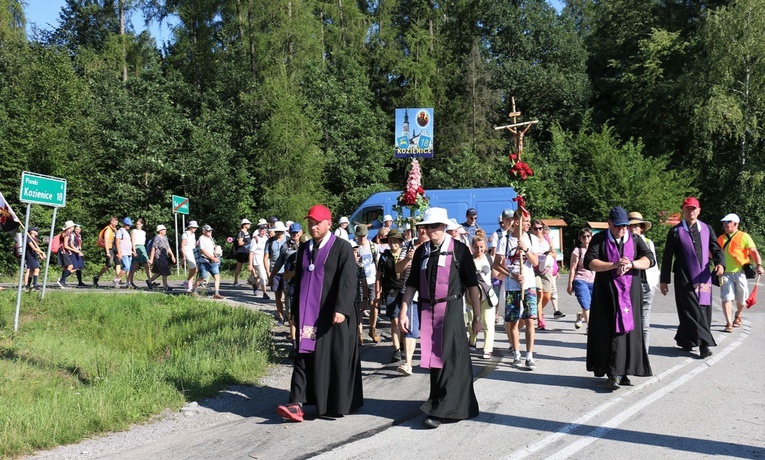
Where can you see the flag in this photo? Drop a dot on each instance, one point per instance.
(8, 221)
(753, 296)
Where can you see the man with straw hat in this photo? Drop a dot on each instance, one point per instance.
(649, 277)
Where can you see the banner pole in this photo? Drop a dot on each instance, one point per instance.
(21, 270)
(47, 260)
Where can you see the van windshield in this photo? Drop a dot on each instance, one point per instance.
(372, 217)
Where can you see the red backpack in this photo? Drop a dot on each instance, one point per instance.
(55, 245)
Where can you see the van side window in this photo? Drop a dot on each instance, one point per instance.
(373, 217)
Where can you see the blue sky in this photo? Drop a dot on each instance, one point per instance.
(45, 13)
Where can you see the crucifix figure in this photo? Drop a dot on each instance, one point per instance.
(517, 133)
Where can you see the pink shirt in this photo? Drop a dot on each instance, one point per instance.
(582, 274)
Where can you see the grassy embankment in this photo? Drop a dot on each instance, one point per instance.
(85, 363)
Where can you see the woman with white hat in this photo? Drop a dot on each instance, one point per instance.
(160, 256)
(65, 253)
(188, 245)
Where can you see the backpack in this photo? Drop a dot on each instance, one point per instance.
(55, 244)
(149, 246)
(101, 242)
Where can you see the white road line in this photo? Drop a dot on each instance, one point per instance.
(598, 433)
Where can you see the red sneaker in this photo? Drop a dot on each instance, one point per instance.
(291, 412)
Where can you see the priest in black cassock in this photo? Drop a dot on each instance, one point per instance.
(327, 370)
(693, 245)
(443, 271)
(615, 337)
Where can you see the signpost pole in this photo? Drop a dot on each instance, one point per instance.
(21, 270)
(177, 257)
(47, 260)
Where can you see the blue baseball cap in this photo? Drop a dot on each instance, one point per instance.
(127, 221)
(618, 216)
(295, 227)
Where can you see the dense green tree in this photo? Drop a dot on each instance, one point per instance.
(730, 137)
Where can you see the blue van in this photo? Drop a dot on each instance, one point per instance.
(489, 202)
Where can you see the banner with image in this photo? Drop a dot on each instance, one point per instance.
(414, 133)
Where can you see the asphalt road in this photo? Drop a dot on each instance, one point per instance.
(689, 409)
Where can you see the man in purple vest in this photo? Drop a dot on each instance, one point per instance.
(693, 244)
(615, 339)
(327, 370)
(442, 272)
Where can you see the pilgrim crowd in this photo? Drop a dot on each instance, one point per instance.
(444, 284)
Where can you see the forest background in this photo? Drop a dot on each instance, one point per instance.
(255, 108)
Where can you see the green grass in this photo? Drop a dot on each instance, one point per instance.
(85, 363)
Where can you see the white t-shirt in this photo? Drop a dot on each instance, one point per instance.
(124, 241)
(206, 244)
(139, 237)
(340, 232)
(512, 262)
(370, 269)
(258, 248)
(188, 248)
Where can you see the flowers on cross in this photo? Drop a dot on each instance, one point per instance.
(520, 169)
(413, 195)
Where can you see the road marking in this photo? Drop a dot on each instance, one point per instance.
(606, 427)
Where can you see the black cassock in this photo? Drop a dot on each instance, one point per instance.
(451, 387)
(609, 353)
(695, 319)
(330, 377)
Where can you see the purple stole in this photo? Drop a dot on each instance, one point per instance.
(311, 285)
(701, 277)
(623, 283)
(432, 322)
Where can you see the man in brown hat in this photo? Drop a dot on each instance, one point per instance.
(649, 277)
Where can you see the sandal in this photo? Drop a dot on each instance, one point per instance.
(728, 328)
(737, 321)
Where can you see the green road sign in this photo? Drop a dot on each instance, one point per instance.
(180, 204)
(39, 189)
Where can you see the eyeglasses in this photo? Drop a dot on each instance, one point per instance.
(587, 237)
(431, 226)
(539, 228)
(727, 222)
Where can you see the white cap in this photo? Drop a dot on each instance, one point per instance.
(288, 223)
(344, 220)
(279, 227)
(731, 218)
(192, 224)
(161, 227)
(453, 225)
(354, 244)
(387, 218)
(245, 221)
(262, 222)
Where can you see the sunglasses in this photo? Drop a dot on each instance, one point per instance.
(539, 228)
(431, 226)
